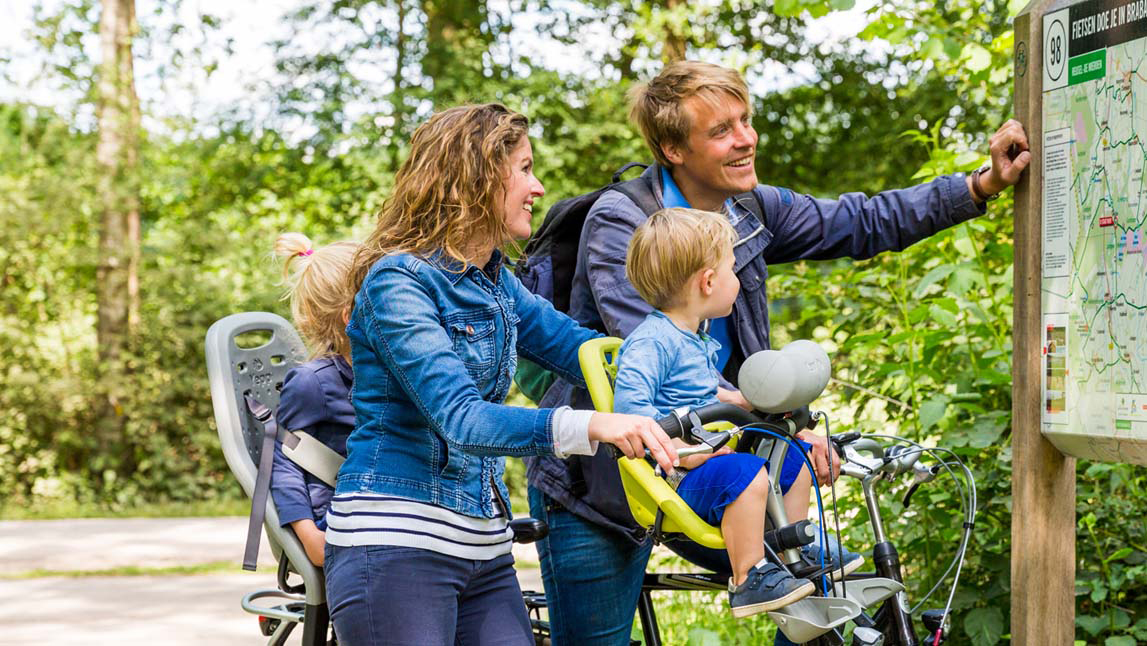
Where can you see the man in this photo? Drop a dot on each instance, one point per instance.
(695, 118)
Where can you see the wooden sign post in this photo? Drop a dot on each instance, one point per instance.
(1043, 478)
(1080, 376)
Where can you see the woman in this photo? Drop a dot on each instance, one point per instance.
(418, 546)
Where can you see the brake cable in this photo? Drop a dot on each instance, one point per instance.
(968, 503)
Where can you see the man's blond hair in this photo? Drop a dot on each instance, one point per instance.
(656, 107)
(671, 246)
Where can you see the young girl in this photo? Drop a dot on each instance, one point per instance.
(418, 542)
(316, 395)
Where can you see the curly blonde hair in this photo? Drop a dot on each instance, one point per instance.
(447, 194)
(671, 246)
(318, 291)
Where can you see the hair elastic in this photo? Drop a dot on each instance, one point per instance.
(305, 252)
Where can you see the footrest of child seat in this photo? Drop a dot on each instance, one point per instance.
(869, 592)
(287, 608)
(811, 617)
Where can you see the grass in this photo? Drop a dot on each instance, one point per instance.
(61, 509)
(127, 570)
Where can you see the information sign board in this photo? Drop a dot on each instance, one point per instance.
(1094, 247)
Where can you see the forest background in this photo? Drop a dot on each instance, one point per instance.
(108, 415)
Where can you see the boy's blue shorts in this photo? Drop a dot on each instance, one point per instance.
(715, 484)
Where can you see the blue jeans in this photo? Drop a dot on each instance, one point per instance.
(592, 577)
(386, 595)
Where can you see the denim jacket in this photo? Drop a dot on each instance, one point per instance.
(662, 367)
(796, 227)
(434, 347)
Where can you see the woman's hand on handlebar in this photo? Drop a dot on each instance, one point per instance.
(632, 434)
(733, 397)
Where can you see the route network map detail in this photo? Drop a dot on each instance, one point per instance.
(1094, 285)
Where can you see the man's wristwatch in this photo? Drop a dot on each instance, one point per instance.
(977, 190)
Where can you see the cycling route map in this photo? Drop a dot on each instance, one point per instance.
(1094, 284)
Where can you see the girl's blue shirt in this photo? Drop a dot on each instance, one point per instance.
(434, 346)
(316, 399)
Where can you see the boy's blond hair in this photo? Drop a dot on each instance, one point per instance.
(671, 246)
(318, 290)
(656, 107)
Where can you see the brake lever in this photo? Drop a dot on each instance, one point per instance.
(703, 442)
(862, 458)
(923, 474)
(713, 439)
(845, 438)
(908, 496)
(706, 442)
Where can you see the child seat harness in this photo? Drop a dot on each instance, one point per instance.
(299, 447)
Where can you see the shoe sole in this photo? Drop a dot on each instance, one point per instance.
(740, 612)
(849, 568)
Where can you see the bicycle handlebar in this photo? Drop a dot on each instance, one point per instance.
(679, 423)
(687, 423)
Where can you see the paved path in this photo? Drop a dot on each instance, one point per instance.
(147, 609)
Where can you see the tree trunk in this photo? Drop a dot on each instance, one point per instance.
(117, 154)
(674, 46)
(457, 41)
(398, 98)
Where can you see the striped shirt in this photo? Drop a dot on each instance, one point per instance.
(357, 519)
(372, 519)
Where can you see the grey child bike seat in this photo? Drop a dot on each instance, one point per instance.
(248, 355)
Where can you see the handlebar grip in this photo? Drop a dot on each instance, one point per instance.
(672, 425)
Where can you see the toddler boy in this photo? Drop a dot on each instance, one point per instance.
(681, 262)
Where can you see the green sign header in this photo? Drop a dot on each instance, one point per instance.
(1087, 67)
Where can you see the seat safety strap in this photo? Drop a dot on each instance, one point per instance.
(311, 455)
(262, 480)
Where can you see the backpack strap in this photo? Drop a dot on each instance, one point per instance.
(760, 202)
(617, 175)
(639, 190)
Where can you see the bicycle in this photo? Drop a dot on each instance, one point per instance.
(864, 459)
(815, 620)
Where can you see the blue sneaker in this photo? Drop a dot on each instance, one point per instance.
(852, 560)
(768, 587)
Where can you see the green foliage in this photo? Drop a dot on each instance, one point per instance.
(921, 339)
(924, 351)
(211, 208)
(1111, 547)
